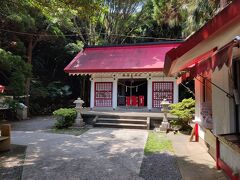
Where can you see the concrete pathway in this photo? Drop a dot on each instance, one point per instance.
(193, 160)
(38, 123)
(102, 154)
(97, 154)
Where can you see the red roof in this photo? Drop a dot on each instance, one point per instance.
(2, 88)
(222, 19)
(124, 58)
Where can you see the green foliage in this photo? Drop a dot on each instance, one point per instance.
(66, 117)
(56, 89)
(73, 48)
(22, 20)
(169, 12)
(93, 22)
(185, 111)
(190, 15)
(12, 104)
(198, 13)
(15, 70)
(47, 98)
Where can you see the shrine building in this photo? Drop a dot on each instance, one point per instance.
(126, 76)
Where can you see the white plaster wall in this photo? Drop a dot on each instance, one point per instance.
(114, 94)
(230, 157)
(176, 91)
(149, 94)
(92, 94)
(198, 101)
(201, 132)
(222, 106)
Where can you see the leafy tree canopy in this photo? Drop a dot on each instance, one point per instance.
(13, 71)
(48, 34)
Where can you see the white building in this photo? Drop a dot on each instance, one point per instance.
(212, 57)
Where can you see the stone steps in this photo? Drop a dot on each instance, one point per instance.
(128, 121)
(122, 122)
(122, 125)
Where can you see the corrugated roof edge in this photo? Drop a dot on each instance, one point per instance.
(136, 44)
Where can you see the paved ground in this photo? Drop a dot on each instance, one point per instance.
(39, 123)
(106, 154)
(194, 162)
(11, 162)
(160, 166)
(97, 154)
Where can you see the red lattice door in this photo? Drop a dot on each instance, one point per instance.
(162, 90)
(103, 94)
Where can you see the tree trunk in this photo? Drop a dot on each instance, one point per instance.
(29, 61)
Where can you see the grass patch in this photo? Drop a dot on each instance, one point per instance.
(157, 142)
(70, 131)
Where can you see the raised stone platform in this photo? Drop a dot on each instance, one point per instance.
(139, 112)
(126, 119)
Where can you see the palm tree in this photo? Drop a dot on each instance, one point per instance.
(199, 12)
(189, 14)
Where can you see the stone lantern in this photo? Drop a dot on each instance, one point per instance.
(165, 124)
(79, 120)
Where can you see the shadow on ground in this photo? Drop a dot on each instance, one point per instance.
(164, 166)
(96, 154)
(11, 162)
(160, 166)
(104, 154)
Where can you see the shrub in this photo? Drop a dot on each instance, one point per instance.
(46, 98)
(184, 110)
(65, 117)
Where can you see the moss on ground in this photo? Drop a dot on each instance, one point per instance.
(70, 131)
(157, 142)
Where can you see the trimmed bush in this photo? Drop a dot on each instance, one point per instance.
(65, 117)
(185, 111)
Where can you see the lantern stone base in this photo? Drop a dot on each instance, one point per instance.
(164, 126)
(79, 122)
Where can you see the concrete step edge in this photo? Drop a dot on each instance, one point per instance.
(122, 117)
(113, 119)
(121, 124)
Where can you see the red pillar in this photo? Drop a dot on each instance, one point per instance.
(217, 153)
(196, 132)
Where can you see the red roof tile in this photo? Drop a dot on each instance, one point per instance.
(137, 58)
